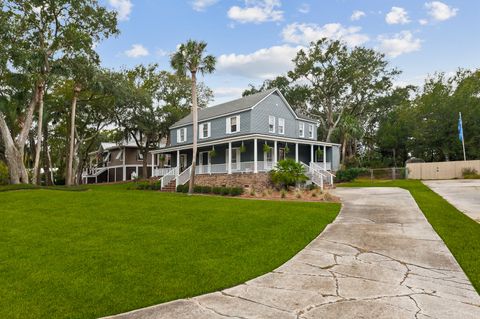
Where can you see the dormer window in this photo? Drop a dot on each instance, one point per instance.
(233, 124)
(271, 124)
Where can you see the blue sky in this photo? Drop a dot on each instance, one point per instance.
(256, 39)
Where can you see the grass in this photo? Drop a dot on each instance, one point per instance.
(17, 187)
(110, 250)
(460, 233)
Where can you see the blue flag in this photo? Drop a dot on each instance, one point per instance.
(460, 127)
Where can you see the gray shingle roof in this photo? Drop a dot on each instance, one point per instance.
(237, 105)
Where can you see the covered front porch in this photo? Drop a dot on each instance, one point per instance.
(243, 155)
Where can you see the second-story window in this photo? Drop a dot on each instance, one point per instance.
(271, 124)
(182, 135)
(301, 129)
(310, 130)
(281, 126)
(204, 129)
(233, 124)
(139, 156)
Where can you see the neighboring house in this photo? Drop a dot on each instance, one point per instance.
(247, 135)
(115, 162)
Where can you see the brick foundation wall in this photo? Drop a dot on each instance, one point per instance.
(257, 181)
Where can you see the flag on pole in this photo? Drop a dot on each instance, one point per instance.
(460, 127)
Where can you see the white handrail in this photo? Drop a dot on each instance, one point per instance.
(184, 176)
(320, 169)
(168, 177)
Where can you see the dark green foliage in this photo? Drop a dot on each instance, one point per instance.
(206, 189)
(349, 174)
(17, 187)
(197, 189)
(236, 191)
(460, 233)
(288, 173)
(216, 190)
(224, 191)
(470, 173)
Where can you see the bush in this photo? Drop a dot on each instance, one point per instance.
(197, 189)
(288, 173)
(236, 191)
(217, 190)
(470, 173)
(225, 191)
(206, 189)
(349, 174)
(4, 177)
(180, 188)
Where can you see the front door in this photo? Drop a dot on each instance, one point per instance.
(204, 162)
(235, 158)
(281, 154)
(183, 162)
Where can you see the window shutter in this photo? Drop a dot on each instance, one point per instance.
(229, 126)
(200, 130)
(178, 136)
(209, 129)
(238, 123)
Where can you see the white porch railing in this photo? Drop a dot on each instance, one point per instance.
(158, 172)
(184, 176)
(168, 177)
(320, 168)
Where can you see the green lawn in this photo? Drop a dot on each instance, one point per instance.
(460, 233)
(108, 250)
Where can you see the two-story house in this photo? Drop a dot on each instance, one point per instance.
(242, 139)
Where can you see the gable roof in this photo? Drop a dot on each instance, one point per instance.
(242, 104)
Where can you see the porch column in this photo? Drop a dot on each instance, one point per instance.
(324, 158)
(178, 161)
(275, 153)
(311, 154)
(255, 156)
(296, 152)
(124, 167)
(153, 163)
(229, 164)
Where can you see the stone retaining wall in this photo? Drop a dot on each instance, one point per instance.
(258, 181)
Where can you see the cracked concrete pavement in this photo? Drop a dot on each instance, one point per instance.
(463, 194)
(379, 259)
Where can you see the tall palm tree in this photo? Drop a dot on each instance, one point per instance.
(190, 56)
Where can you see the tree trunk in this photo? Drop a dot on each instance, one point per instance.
(145, 163)
(46, 156)
(344, 150)
(69, 180)
(36, 167)
(195, 131)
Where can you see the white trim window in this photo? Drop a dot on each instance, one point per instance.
(301, 129)
(182, 135)
(139, 155)
(205, 130)
(233, 124)
(271, 124)
(281, 126)
(119, 155)
(310, 130)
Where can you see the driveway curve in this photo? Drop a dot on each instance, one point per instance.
(379, 259)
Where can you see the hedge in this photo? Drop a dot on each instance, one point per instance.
(225, 191)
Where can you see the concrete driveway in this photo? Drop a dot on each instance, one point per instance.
(379, 259)
(463, 194)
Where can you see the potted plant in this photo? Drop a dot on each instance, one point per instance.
(243, 148)
(213, 152)
(319, 153)
(266, 148)
(287, 149)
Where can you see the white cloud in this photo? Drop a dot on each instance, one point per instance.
(400, 43)
(423, 21)
(228, 91)
(304, 33)
(440, 11)
(201, 5)
(262, 64)
(256, 11)
(304, 8)
(161, 52)
(357, 15)
(123, 8)
(137, 51)
(397, 16)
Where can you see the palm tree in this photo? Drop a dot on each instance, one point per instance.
(190, 57)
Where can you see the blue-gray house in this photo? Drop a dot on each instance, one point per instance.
(246, 136)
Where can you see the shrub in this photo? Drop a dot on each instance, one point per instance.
(197, 189)
(288, 173)
(224, 191)
(185, 188)
(217, 190)
(180, 188)
(283, 193)
(349, 174)
(470, 173)
(236, 191)
(206, 189)
(4, 177)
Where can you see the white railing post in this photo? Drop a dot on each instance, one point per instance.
(311, 154)
(230, 158)
(275, 153)
(255, 156)
(324, 158)
(296, 152)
